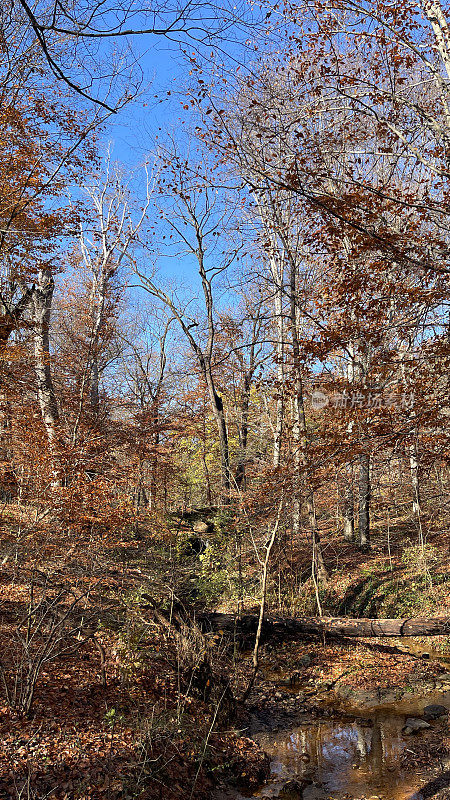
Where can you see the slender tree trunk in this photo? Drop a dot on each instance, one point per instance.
(300, 442)
(137, 498)
(205, 463)
(349, 499)
(8, 481)
(412, 453)
(10, 315)
(277, 260)
(154, 455)
(5, 427)
(243, 433)
(277, 277)
(155, 415)
(298, 463)
(42, 304)
(95, 380)
(98, 299)
(207, 480)
(299, 438)
(318, 564)
(415, 484)
(414, 467)
(364, 500)
(219, 416)
(357, 369)
(348, 506)
(264, 563)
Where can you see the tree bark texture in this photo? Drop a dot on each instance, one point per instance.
(42, 303)
(342, 626)
(364, 500)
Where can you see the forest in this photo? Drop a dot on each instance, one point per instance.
(224, 400)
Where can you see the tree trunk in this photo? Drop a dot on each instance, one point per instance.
(349, 520)
(299, 437)
(277, 260)
(364, 500)
(209, 501)
(414, 469)
(346, 501)
(300, 442)
(357, 369)
(412, 454)
(154, 454)
(243, 433)
(367, 628)
(98, 298)
(10, 315)
(219, 416)
(297, 458)
(277, 277)
(95, 380)
(349, 499)
(42, 304)
(8, 479)
(262, 606)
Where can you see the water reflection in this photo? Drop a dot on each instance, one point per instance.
(347, 759)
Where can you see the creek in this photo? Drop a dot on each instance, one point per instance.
(341, 752)
(344, 757)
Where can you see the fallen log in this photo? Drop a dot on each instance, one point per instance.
(413, 626)
(342, 626)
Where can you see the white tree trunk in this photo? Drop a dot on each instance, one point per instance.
(42, 304)
(348, 505)
(277, 269)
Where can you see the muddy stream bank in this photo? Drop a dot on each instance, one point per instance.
(348, 744)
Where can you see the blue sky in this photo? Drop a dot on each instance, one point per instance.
(159, 109)
(133, 130)
(222, 33)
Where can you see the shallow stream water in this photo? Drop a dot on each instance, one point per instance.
(344, 758)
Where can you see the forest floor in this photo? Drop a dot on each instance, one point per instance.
(139, 736)
(137, 726)
(144, 738)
